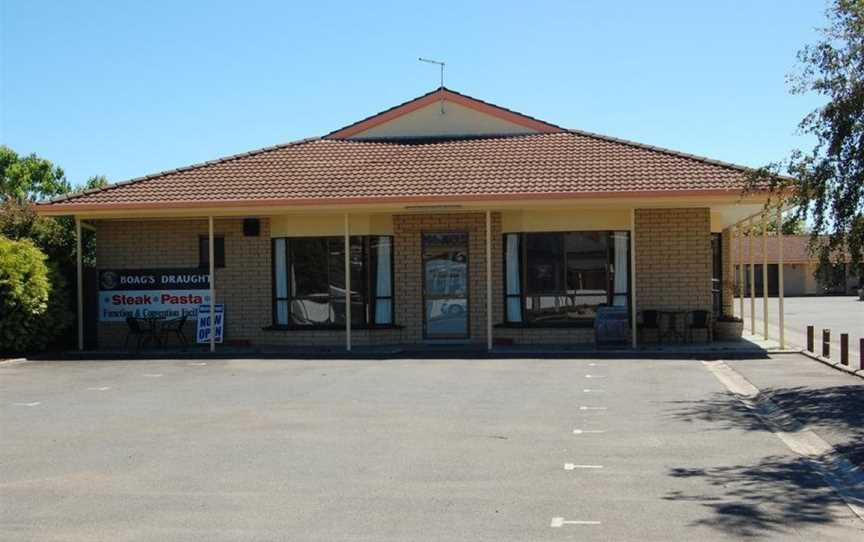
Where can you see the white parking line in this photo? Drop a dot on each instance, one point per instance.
(199, 363)
(588, 431)
(595, 376)
(153, 375)
(34, 403)
(596, 365)
(102, 388)
(560, 522)
(573, 466)
(592, 408)
(589, 390)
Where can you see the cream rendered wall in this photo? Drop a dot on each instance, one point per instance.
(561, 220)
(329, 225)
(456, 120)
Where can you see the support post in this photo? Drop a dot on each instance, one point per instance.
(741, 273)
(633, 323)
(347, 284)
(780, 286)
(811, 339)
(212, 258)
(489, 281)
(79, 265)
(752, 278)
(764, 277)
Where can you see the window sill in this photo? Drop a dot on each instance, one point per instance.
(533, 325)
(365, 327)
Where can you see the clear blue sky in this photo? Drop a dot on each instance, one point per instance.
(130, 88)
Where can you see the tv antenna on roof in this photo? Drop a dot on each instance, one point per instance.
(441, 66)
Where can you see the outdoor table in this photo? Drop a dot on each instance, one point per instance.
(671, 319)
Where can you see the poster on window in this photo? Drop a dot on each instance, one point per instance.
(203, 333)
(151, 293)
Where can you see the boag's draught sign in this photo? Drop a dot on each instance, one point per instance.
(151, 293)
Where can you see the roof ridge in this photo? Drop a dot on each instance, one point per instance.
(135, 180)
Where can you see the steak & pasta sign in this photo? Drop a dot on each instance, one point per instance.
(151, 293)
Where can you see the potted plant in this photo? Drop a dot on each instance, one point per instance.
(728, 328)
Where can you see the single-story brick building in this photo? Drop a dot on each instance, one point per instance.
(464, 223)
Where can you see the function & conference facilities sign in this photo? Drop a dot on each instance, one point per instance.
(151, 293)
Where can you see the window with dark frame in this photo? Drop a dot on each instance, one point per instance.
(204, 251)
(561, 278)
(309, 281)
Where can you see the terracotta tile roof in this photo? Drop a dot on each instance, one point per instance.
(796, 249)
(334, 170)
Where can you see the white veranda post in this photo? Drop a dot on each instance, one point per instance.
(489, 281)
(780, 292)
(212, 259)
(765, 276)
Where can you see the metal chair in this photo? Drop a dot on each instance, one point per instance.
(649, 319)
(700, 319)
(175, 327)
(135, 329)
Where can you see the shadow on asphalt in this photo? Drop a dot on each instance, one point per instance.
(777, 493)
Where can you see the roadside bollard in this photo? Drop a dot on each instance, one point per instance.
(861, 354)
(826, 343)
(844, 348)
(810, 333)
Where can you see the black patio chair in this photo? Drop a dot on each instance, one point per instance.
(700, 319)
(648, 319)
(174, 327)
(142, 333)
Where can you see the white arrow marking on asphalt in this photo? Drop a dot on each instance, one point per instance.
(572, 466)
(34, 403)
(587, 431)
(560, 522)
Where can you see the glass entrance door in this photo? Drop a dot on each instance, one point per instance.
(445, 285)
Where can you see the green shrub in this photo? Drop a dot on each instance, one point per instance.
(33, 298)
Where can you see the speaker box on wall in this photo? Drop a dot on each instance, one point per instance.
(251, 227)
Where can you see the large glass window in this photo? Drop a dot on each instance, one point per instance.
(562, 278)
(309, 281)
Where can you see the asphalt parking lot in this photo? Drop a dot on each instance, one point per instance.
(840, 314)
(397, 450)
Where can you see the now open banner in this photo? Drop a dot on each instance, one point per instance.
(151, 293)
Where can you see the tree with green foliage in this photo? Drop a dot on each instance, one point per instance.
(33, 298)
(24, 180)
(29, 178)
(826, 184)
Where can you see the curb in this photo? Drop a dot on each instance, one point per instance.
(833, 364)
(13, 361)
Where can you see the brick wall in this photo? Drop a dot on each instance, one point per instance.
(243, 284)
(673, 259)
(408, 230)
(673, 266)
